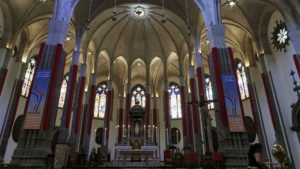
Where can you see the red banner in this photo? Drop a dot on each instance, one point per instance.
(183, 110)
(51, 92)
(120, 125)
(71, 95)
(194, 106)
(190, 124)
(167, 115)
(200, 83)
(108, 109)
(16, 105)
(220, 90)
(296, 60)
(92, 106)
(155, 124)
(81, 89)
(147, 111)
(127, 112)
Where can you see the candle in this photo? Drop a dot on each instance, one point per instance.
(117, 127)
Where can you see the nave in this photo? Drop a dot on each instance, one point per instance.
(144, 83)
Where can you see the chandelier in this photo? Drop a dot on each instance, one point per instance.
(139, 12)
(232, 3)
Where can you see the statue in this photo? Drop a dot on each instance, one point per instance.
(93, 156)
(280, 155)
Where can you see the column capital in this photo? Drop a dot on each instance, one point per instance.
(216, 36)
(191, 71)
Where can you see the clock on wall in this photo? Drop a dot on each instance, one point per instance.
(280, 38)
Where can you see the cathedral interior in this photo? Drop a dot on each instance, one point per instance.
(149, 83)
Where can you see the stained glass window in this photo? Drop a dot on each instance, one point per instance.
(209, 93)
(100, 100)
(63, 91)
(28, 76)
(174, 101)
(138, 96)
(242, 80)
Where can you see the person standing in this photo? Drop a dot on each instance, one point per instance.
(254, 157)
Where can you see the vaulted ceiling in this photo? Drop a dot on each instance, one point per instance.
(130, 40)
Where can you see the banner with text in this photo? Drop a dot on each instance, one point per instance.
(37, 100)
(233, 107)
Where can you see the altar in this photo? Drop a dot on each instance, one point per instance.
(138, 146)
(126, 153)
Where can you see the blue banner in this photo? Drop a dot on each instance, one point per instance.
(233, 107)
(37, 100)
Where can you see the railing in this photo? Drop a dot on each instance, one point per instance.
(272, 165)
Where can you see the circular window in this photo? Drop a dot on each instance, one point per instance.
(175, 134)
(250, 128)
(280, 38)
(17, 128)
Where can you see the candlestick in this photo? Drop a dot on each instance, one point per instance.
(105, 136)
(167, 136)
(117, 131)
(177, 136)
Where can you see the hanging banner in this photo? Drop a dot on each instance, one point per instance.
(233, 107)
(37, 100)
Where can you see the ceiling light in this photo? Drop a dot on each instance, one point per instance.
(139, 63)
(43, 0)
(139, 12)
(89, 53)
(232, 3)
(68, 38)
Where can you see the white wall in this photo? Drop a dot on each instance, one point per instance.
(281, 64)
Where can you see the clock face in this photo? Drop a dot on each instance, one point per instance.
(280, 38)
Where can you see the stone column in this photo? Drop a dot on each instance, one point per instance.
(185, 126)
(276, 117)
(167, 108)
(89, 117)
(155, 120)
(148, 107)
(67, 109)
(233, 145)
(128, 98)
(205, 118)
(12, 110)
(5, 55)
(77, 107)
(196, 116)
(35, 139)
(105, 140)
(121, 120)
(189, 119)
(257, 115)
